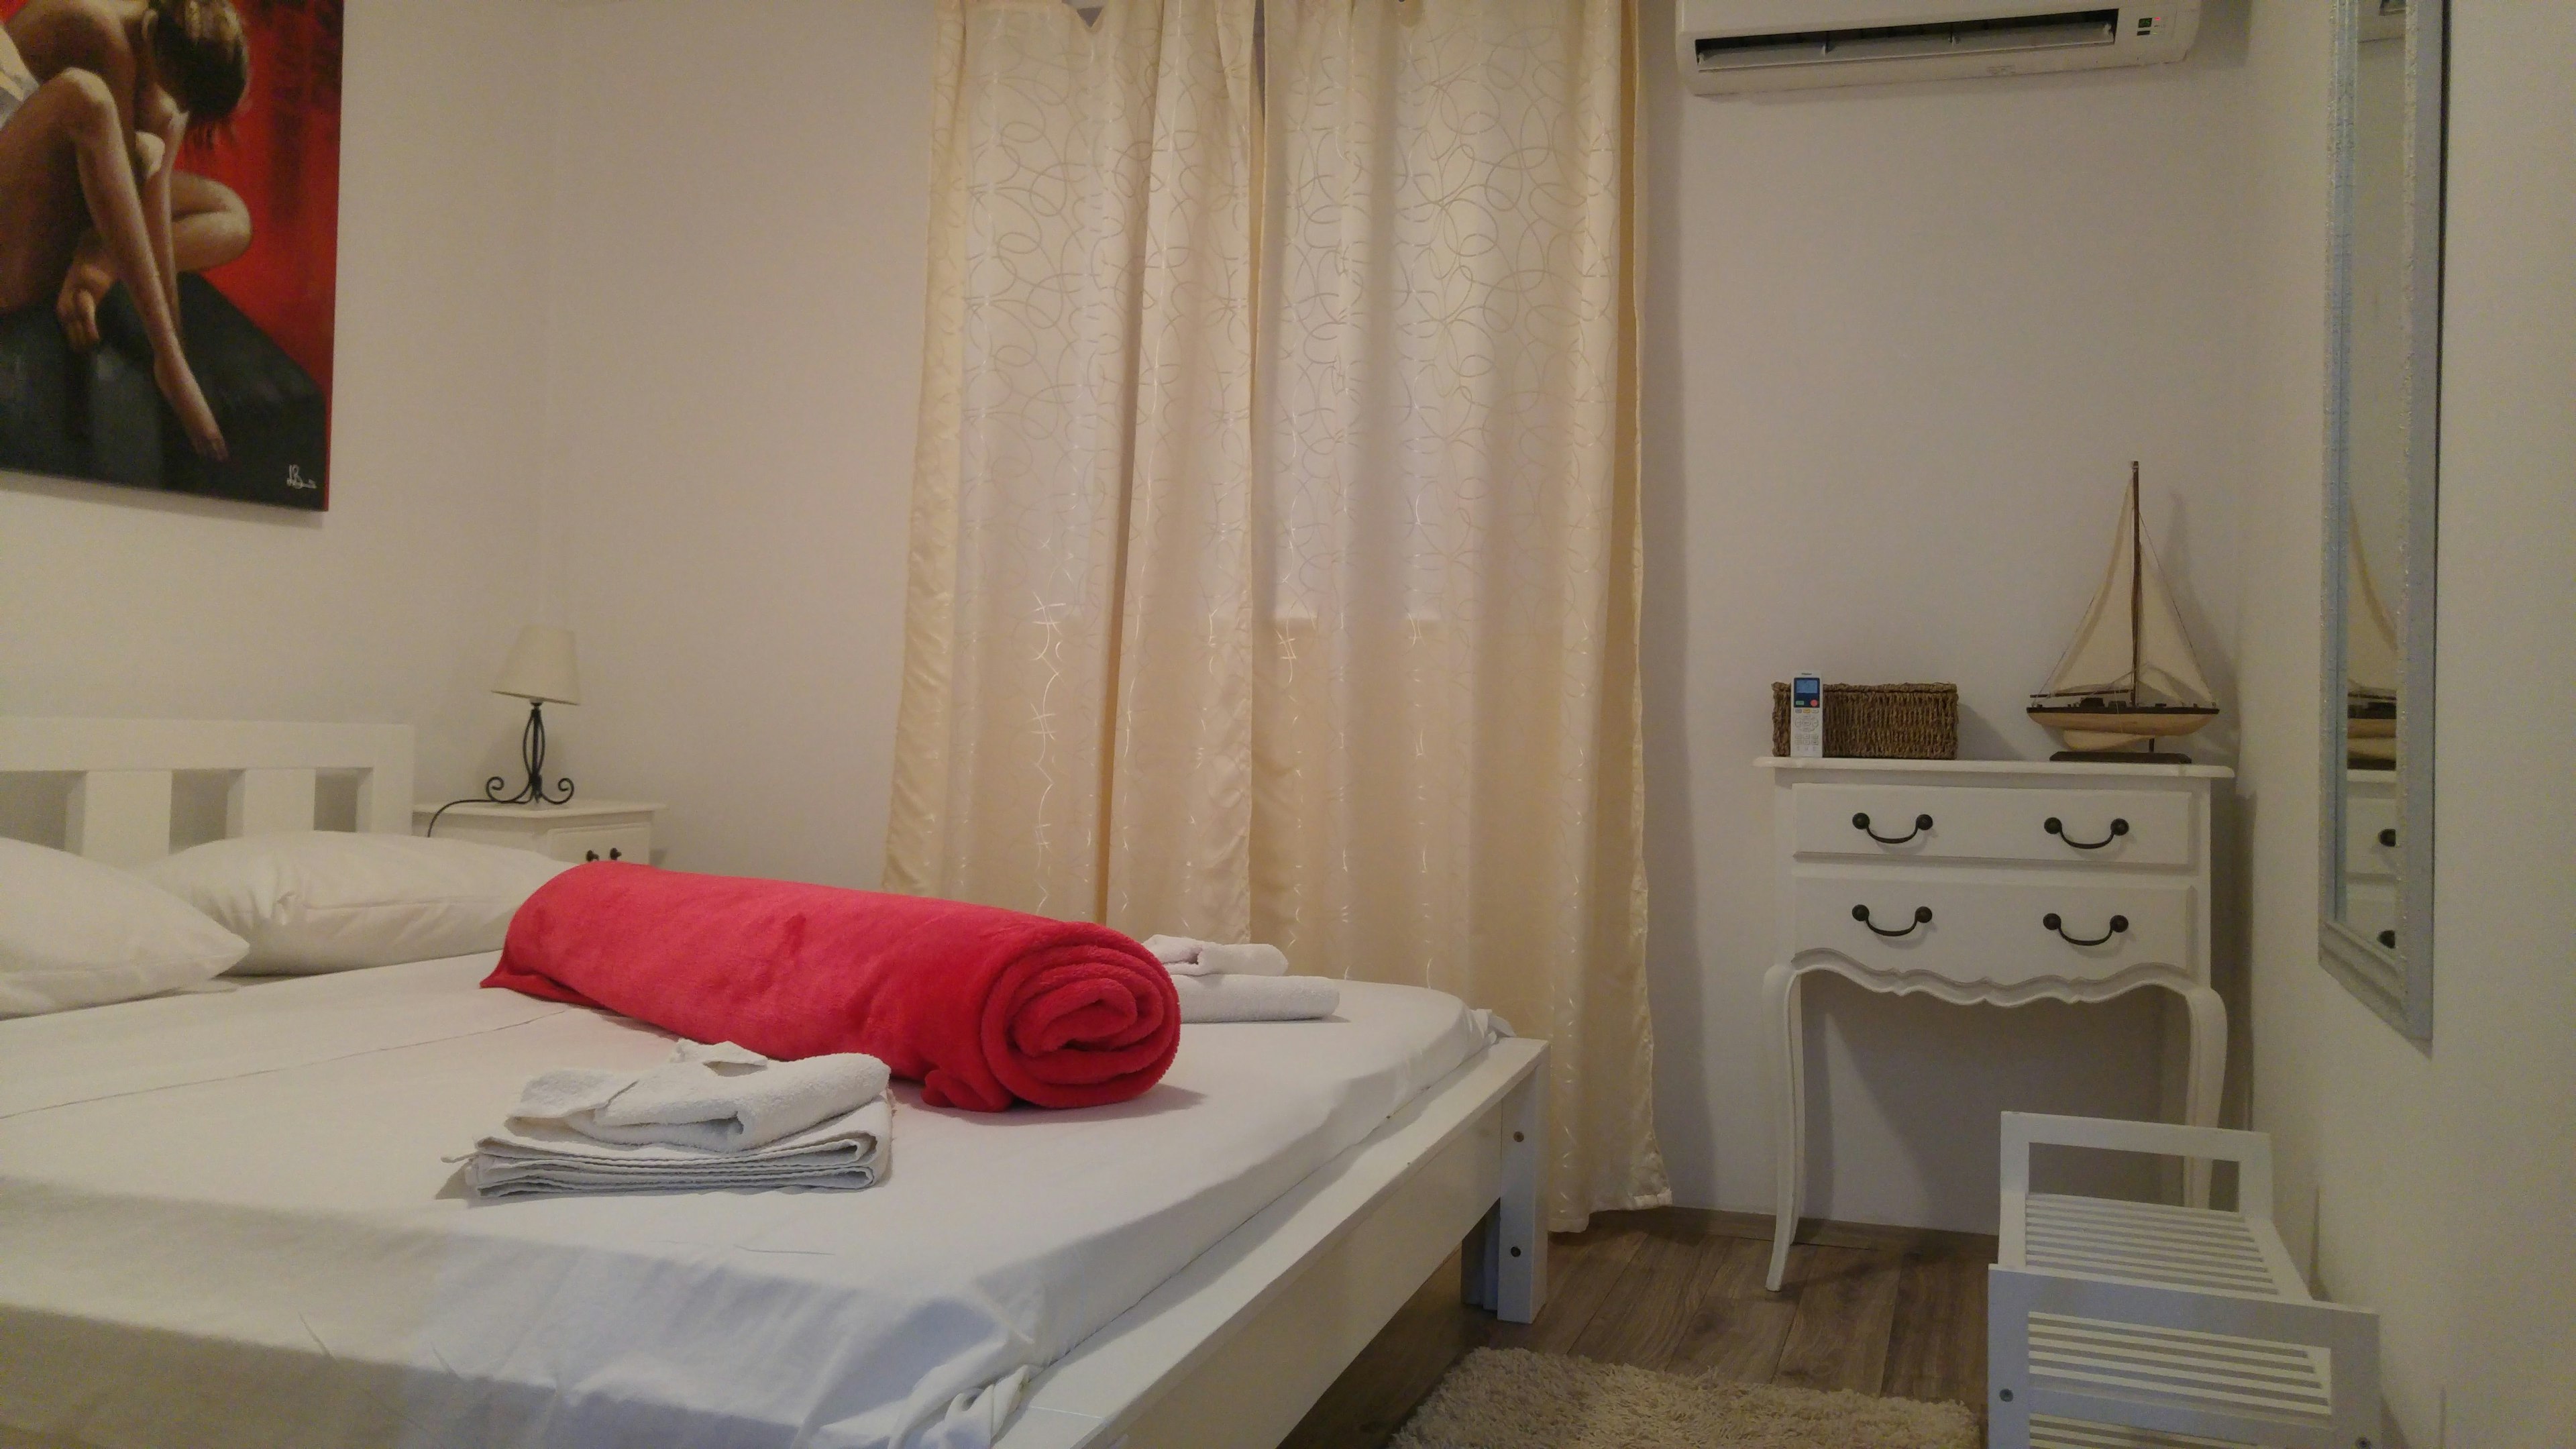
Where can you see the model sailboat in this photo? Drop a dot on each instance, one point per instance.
(2129, 676)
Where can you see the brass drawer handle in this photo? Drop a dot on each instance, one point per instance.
(1922, 917)
(2057, 827)
(2057, 923)
(1921, 823)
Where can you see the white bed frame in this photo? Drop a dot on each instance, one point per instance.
(1234, 1349)
(119, 811)
(1227, 1354)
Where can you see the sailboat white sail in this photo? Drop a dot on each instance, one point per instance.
(2129, 674)
(2370, 665)
(2108, 659)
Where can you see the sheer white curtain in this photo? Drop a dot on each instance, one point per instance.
(1346, 660)
(1447, 778)
(1079, 542)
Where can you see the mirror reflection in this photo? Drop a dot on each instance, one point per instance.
(2375, 466)
(2388, 231)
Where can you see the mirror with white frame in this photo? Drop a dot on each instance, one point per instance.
(2383, 411)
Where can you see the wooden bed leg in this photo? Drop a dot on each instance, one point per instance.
(1520, 1236)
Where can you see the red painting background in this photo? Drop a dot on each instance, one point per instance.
(281, 152)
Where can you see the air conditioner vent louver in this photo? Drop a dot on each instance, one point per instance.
(1993, 36)
(1728, 46)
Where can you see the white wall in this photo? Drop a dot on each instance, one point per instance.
(2435, 1185)
(739, 254)
(1902, 345)
(398, 603)
(2505, 928)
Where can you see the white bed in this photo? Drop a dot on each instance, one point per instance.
(224, 1220)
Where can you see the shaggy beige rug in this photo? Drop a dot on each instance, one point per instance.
(1511, 1398)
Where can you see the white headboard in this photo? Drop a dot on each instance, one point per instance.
(119, 811)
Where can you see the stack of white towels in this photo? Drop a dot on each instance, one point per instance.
(711, 1117)
(1220, 982)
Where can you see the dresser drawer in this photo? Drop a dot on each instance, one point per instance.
(2370, 838)
(2094, 827)
(2370, 907)
(601, 842)
(1993, 932)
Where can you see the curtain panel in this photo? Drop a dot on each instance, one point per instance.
(1447, 773)
(1083, 434)
(1276, 550)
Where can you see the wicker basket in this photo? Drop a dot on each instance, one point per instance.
(1879, 721)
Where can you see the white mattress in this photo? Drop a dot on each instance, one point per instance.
(224, 1220)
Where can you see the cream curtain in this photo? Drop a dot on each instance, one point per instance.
(1078, 484)
(1447, 777)
(1350, 655)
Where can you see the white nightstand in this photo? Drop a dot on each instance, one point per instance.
(2053, 882)
(581, 831)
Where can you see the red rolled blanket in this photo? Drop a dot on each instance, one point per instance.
(981, 1006)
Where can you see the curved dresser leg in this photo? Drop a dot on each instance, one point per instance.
(2208, 1079)
(1788, 1110)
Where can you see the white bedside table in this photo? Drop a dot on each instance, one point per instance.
(1988, 881)
(581, 831)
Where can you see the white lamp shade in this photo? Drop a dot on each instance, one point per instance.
(541, 667)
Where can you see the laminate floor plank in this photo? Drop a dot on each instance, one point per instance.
(1582, 1268)
(1937, 1346)
(1846, 1313)
(1654, 1301)
(1737, 1327)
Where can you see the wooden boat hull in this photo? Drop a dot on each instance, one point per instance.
(2112, 726)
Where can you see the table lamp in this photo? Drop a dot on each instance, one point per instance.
(539, 670)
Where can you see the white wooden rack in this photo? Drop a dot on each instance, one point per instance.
(2129, 1325)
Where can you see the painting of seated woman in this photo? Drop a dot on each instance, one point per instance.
(169, 215)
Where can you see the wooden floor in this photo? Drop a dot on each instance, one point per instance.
(1881, 1310)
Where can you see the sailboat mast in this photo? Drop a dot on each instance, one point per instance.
(2137, 579)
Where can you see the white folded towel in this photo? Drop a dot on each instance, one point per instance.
(720, 1098)
(526, 1159)
(1188, 957)
(1256, 998)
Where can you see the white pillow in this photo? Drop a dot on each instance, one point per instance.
(74, 932)
(328, 900)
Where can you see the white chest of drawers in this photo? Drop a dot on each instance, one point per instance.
(2370, 854)
(1990, 881)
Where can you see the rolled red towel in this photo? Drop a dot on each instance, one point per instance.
(982, 1006)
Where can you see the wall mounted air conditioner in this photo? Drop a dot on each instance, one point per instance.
(1728, 47)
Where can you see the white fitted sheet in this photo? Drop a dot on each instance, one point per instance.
(225, 1221)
